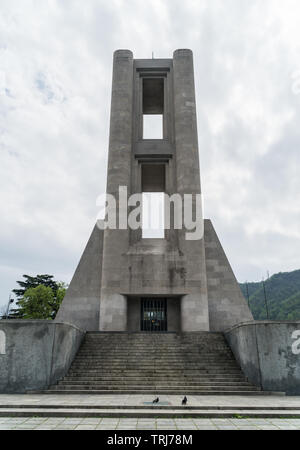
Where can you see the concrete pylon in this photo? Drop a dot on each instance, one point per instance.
(171, 283)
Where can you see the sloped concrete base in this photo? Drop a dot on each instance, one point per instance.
(227, 305)
(81, 304)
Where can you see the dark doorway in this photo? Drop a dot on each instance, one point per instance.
(154, 314)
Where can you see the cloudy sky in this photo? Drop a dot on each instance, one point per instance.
(55, 82)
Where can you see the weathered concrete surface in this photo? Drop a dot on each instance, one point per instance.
(227, 305)
(268, 353)
(37, 353)
(81, 303)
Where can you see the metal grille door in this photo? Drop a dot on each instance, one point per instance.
(154, 314)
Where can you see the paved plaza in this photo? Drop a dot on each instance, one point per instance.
(65, 423)
(70, 404)
(138, 400)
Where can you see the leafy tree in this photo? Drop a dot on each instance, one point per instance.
(37, 303)
(40, 302)
(38, 297)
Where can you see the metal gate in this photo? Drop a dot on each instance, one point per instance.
(154, 314)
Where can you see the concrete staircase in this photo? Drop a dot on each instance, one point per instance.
(165, 363)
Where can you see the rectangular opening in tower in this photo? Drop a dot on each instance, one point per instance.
(153, 188)
(153, 108)
(153, 127)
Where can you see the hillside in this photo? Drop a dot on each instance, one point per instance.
(283, 297)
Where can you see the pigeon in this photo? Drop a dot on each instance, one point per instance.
(156, 400)
(184, 401)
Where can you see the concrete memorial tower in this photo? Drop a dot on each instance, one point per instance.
(124, 281)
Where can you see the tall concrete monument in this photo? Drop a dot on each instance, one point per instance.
(124, 281)
(152, 313)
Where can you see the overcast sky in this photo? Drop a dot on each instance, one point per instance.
(55, 86)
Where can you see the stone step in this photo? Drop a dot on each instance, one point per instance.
(153, 383)
(149, 405)
(178, 351)
(145, 361)
(155, 355)
(157, 388)
(168, 378)
(151, 367)
(157, 351)
(150, 392)
(151, 361)
(140, 412)
(158, 360)
(151, 346)
(159, 343)
(166, 348)
(148, 362)
(153, 352)
(154, 372)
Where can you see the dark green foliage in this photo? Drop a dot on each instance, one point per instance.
(283, 297)
(32, 282)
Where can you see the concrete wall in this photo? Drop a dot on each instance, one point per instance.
(268, 353)
(35, 353)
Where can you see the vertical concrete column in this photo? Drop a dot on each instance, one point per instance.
(113, 305)
(120, 132)
(194, 307)
(186, 139)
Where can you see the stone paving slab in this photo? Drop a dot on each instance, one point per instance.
(173, 424)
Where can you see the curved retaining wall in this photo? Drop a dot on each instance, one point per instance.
(268, 353)
(35, 353)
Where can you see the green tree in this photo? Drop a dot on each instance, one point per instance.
(39, 302)
(36, 303)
